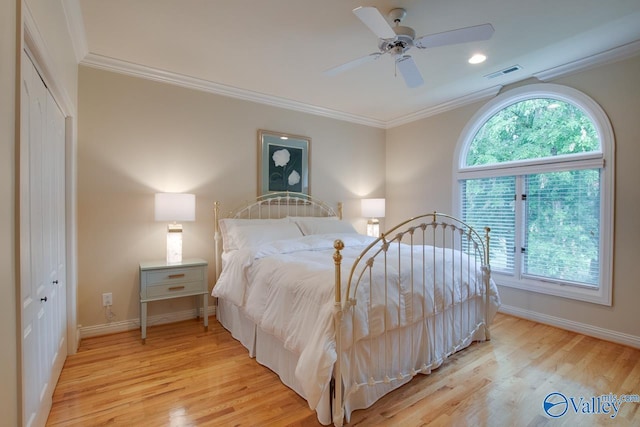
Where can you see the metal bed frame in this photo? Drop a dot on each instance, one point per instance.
(436, 327)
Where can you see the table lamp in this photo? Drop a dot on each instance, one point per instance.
(373, 209)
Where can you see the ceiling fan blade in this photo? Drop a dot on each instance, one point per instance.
(372, 18)
(461, 35)
(352, 64)
(409, 71)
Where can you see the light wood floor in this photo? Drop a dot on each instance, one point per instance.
(184, 376)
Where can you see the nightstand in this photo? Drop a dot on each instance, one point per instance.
(160, 281)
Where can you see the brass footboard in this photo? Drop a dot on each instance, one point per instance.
(413, 297)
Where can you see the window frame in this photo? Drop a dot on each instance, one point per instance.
(603, 160)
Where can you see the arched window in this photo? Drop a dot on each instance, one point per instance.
(536, 166)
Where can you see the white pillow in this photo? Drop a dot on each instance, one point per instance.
(256, 235)
(227, 225)
(322, 226)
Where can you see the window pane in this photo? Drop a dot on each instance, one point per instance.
(489, 202)
(533, 129)
(563, 226)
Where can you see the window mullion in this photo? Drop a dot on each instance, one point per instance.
(520, 226)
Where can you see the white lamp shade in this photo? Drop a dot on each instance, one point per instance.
(373, 208)
(175, 207)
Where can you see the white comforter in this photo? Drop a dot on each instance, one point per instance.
(287, 288)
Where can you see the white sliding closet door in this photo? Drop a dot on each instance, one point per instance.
(42, 245)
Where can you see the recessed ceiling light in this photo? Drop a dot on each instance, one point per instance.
(478, 58)
(284, 137)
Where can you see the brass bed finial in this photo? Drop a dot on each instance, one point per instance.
(338, 245)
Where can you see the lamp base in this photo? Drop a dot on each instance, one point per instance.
(174, 244)
(373, 228)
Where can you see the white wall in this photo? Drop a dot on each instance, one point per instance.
(138, 137)
(422, 153)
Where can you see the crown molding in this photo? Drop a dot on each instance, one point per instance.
(149, 73)
(445, 106)
(154, 74)
(612, 55)
(137, 70)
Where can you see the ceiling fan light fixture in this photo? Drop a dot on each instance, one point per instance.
(477, 58)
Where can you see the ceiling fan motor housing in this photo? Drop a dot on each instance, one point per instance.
(401, 43)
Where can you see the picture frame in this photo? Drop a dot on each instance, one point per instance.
(283, 162)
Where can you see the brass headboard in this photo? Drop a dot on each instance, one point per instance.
(270, 206)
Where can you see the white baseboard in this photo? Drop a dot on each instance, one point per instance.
(581, 328)
(131, 324)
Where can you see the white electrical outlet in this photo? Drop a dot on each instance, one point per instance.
(107, 299)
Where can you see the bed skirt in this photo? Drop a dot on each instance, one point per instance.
(270, 352)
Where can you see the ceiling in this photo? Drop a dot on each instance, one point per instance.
(276, 51)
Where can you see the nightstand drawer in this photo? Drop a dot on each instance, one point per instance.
(177, 275)
(174, 289)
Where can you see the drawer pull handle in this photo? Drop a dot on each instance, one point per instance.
(176, 288)
(176, 276)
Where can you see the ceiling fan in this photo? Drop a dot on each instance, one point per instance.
(397, 41)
